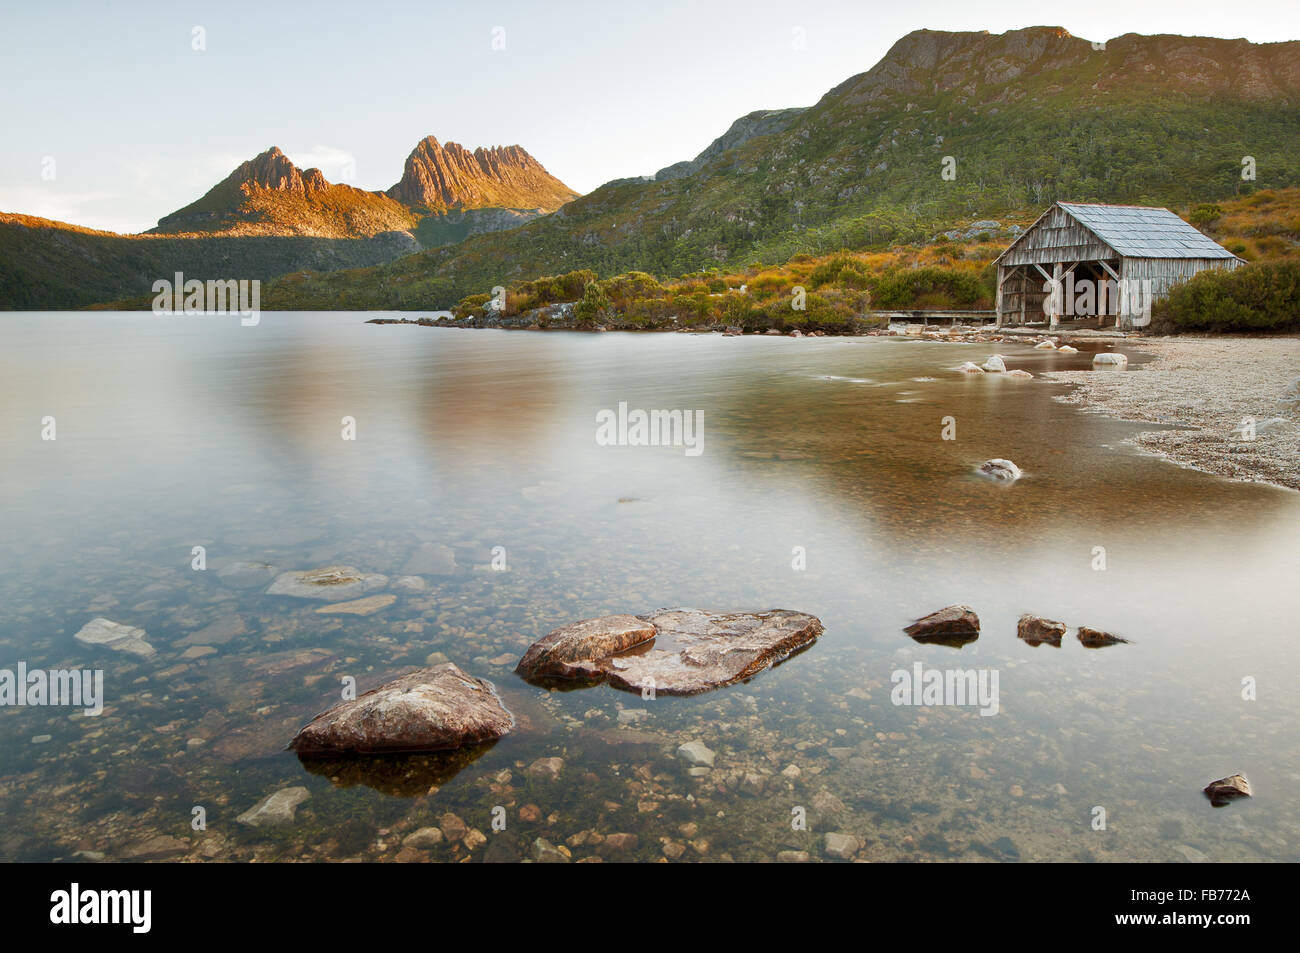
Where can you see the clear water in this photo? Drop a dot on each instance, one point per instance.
(179, 432)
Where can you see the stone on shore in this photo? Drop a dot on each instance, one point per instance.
(1109, 360)
(115, 636)
(952, 625)
(1036, 630)
(331, 583)
(676, 651)
(1224, 790)
(1000, 469)
(277, 808)
(1095, 639)
(431, 709)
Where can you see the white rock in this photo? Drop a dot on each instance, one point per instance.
(1000, 469)
(696, 753)
(1045, 346)
(115, 636)
(995, 364)
(970, 368)
(1109, 360)
(1066, 349)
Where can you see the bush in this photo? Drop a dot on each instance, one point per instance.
(1256, 297)
(927, 287)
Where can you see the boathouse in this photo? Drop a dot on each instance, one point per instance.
(1100, 264)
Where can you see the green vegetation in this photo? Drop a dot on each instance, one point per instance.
(1255, 297)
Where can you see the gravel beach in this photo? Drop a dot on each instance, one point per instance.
(1210, 389)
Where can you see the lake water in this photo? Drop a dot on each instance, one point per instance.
(183, 432)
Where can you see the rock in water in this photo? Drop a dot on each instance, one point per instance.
(332, 583)
(970, 368)
(1094, 639)
(1109, 360)
(995, 364)
(1036, 631)
(277, 808)
(1222, 791)
(428, 710)
(954, 625)
(568, 651)
(1067, 349)
(673, 651)
(1000, 469)
(115, 636)
(1045, 346)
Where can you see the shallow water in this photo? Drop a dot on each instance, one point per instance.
(175, 433)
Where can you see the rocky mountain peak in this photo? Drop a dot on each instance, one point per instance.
(440, 178)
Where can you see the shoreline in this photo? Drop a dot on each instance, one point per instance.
(1207, 389)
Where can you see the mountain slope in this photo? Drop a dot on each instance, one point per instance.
(1029, 117)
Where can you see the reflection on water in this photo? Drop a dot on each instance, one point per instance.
(179, 433)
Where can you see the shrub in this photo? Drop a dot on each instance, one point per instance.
(1264, 296)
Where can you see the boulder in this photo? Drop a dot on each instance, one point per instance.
(995, 364)
(115, 636)
(970, 368)
(1045, 346)
(567, 651)
(673, 651)
(1095, 639)
(1036, 631)
(1000, 469)
(1109, 360)
(1020, 375)
(1067, 349)
(330, 583)
(953, 625)
(430, 709)
(1222, 791)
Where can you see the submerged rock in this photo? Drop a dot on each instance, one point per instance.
(431, 559)
(1095, 639)
(1036, 631)
(331, 583)
(277, 808)
(953, 625)
(673, 651)
(428, 710)
(696, 753)
(115, 636)
(1222, 791)
(367, 605)
(1000, 469)
(245, 574)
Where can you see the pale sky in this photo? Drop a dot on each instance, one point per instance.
(135, 123)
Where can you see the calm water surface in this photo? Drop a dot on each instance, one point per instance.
(175, 433)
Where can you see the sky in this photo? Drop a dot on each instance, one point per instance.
(116, 114)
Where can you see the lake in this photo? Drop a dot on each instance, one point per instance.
(823, 484)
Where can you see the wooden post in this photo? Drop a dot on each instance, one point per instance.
(1056, 296)
(998, 305)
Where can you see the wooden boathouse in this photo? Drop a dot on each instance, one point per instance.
(1100, 263)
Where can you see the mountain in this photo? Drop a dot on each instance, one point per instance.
(269, 195)
(1023, 118)
(269, 218)
(445, 178)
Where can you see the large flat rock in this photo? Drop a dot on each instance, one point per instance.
(432, 709)
(331, 583)
(115, 636)
(673, 651)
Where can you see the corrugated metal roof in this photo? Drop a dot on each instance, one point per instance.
(1137, 232)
